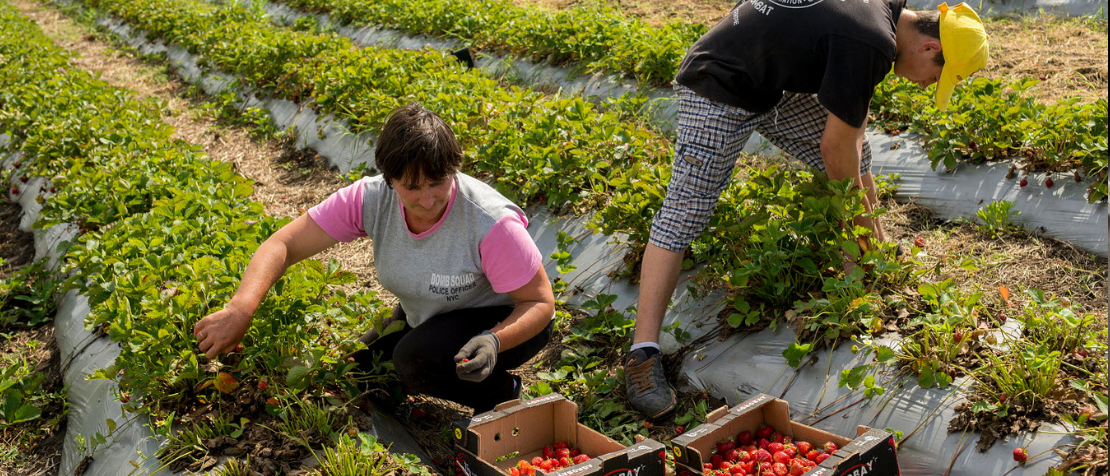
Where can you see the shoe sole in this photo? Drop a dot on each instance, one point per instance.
(665, 410)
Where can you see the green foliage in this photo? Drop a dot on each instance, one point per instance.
(19, 389)
(27, 296)
(365, 457)
(996, 218)
(601, 39)
(993, 119)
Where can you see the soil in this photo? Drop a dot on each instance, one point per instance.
(36, 444)
(288, 181)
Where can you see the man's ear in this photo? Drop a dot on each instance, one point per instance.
(930, 46)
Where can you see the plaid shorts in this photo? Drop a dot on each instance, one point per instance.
(710, 136)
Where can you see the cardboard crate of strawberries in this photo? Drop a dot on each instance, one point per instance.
(757, 438)
(543, 437)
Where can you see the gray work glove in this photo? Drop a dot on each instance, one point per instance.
(476, 359)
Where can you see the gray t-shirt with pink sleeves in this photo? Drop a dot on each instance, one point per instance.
(478, 252)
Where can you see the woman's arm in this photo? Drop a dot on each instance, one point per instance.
(222, 330)
(534, 305)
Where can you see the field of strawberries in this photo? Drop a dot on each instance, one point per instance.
(1010, 325)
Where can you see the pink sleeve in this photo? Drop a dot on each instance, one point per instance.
(340, 215)
(509, 256)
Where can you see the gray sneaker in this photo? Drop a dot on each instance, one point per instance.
(646, 387)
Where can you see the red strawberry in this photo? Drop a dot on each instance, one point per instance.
(23, 179)
(745, 437)
(831, 447)
(582, 458)
(1048, 182)
(680, 429)
(562, 453)
(780, 457)
(548, 452)
(564, 462)
(124, 398)
(797, 468)
(821, 458)
(761, 456)
(272, 401)
(743, 456)
(536, 461)
(764, 431)
(1024, 182)
(803, 447)
(780, 469)
(813, 454)
(737, 469)
(262, 385)
(775, 447)
(724, 446)
(1021, 455)
(560, 444)
(732, 455)
(15, 191)
(1081, 352)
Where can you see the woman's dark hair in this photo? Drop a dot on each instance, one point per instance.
(928, 24)
(416, 143)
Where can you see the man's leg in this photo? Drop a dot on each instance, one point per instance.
(710, 137)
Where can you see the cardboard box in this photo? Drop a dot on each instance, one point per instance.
(526, 427)
(872, 452)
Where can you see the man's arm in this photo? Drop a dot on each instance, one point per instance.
(841, 151)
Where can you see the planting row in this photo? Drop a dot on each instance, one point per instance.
(989, 119)
(165, 232)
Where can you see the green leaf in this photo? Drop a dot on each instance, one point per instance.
(296, 374)
(854, 377)
(795, 352)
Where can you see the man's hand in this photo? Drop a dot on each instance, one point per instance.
(219, 332)
(476, 359)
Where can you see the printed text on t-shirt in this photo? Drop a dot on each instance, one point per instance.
(449, 286)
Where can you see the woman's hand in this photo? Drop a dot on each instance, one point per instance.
(219, 332)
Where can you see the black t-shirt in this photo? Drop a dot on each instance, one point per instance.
(838, 49)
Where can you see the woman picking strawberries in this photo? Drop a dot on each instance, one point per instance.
(474, 296)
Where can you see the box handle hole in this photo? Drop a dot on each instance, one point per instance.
(497, 437)
(516, 431)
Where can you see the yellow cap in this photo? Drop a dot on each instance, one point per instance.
(963, 40)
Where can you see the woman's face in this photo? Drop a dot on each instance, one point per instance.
(425, 200)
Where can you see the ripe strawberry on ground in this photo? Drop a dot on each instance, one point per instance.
(1048, 182)
(1021, 455)
(1024, 182)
